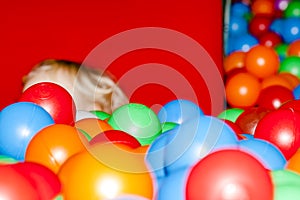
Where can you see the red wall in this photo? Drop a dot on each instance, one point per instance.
(69, 29)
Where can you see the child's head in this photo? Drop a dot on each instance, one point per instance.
(91, 89)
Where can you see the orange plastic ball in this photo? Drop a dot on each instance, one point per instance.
(92, 126)
(263, 7)
(262, 61)
(291, 78)
(293, 163)
(276, 80)
(86, 176)
(53, 145)
(294, 48)
(234, 60)
(242, 90)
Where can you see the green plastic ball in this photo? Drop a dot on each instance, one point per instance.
(231, 114)
(291, 65)
(286, 184)
(137, 120)
(293, 9)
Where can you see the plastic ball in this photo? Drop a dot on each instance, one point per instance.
(42, 178)
(239, 9)
(7, 160)
(236, 129)
(92, 126)
(292, 9)
(166, 126)
(296, 92)
(241, 43)
(173, 186)
(234, 60)
(263, 7)
(293, 163)
(229, 174)
(291, 29)
(85, 177)
(262, 61)
(130, 197)
(231, 114)
(270, 39)
(277, 26)
(242, 90)
(53, 145)
(267, 153)
(294, 48)
(101, 114)
(281, 4)
(291, 65)
(115, 136)
(281, 50)
(179, 111)
(138, 120)
(19, 122)
(237, 26)
(259, 25)
(282, 128)
(248, 120)
(286, 184)
(202, 135)
(15, 186)
(276, 80)
(155, 158)
(55, 99)
(293, 80)
(292, 105)
(274, 96)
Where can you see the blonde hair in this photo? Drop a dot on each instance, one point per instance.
(91, 89)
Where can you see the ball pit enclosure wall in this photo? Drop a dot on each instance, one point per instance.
(32, 31)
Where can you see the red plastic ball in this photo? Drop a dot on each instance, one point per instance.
(15, 186)
(262, 61)
(229, 174)
(56, 100)
(292, 104)
(259, 25)
(248, 120)
(274, 96)
(282, 128)
(42, 178)
(242, 90)
(270, 39)
(116, 136)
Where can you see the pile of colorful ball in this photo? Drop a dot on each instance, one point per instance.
(50, 150)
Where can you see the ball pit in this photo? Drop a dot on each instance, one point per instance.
(249, 151)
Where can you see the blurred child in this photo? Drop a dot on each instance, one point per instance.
(91, 89)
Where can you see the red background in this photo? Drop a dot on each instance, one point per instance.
(35, 30)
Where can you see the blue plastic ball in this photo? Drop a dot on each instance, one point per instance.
(194, 139)
(173, 186)
(239, 9)
(237, 26)
(291, 29)
(268, 154)
(179, 111)
(241, 43)
(19, 122)
(296, 92)
(277, 26)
